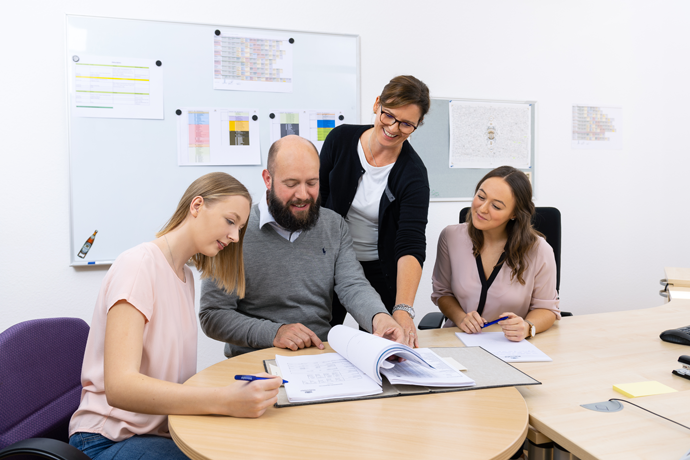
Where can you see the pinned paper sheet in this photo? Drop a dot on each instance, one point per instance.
(636, 390)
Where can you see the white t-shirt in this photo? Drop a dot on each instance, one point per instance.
(363, 216)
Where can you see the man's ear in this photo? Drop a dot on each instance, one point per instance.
(267, 178)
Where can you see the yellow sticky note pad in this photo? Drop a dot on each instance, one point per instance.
(636, 390)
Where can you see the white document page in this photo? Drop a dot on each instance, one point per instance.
(497, 344)
(251, 63)
(490, 134)
(321, 377)
(116, 87)
(369, 352)
(411, 373)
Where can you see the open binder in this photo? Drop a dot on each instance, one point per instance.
(485, 369)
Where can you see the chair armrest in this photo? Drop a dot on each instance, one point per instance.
(431, 321)
(44, 448)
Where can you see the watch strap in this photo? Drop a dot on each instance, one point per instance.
(404, 307)
(532, 329)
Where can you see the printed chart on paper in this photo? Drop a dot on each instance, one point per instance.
(490, 134)
(116, 87)
(246, 63)
(597, 128)
(312, 124)
(217, 136)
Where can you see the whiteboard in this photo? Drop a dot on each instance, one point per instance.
(125, 180)
(432, 142)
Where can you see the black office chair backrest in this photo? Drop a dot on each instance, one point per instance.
(548, 222)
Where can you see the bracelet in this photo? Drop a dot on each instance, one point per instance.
(404, 307)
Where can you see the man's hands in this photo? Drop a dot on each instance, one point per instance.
(295, 336)
(385, 326)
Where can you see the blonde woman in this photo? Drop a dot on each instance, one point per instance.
(143, 338)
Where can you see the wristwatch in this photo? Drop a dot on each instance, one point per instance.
(532, 329)
(404, 307)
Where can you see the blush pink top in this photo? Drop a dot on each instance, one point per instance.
(142, 277)
(456, 274)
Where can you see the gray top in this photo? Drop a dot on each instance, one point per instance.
(289, 283)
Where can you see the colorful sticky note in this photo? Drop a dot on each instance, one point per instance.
(636, 390)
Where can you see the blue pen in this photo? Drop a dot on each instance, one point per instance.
(495, 321)
(251, 378)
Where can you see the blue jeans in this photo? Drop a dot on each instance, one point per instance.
(98, 447)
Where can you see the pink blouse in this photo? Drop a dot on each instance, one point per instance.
(142, 277)
(456, 274)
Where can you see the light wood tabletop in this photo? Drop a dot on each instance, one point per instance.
(591, 353)
(474, 424)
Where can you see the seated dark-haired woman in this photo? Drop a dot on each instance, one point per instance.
(496, 265)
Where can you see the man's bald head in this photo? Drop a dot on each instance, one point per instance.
(291, 145)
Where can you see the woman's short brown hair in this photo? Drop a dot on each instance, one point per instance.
(226, 267)
(404, 90)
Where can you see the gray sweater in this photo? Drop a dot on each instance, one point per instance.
(289, 283)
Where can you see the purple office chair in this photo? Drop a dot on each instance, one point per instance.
(40, 387)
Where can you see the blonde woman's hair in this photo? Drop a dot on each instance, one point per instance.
(227, 267)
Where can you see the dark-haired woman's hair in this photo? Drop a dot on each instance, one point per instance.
(521, 234)
(405, 90)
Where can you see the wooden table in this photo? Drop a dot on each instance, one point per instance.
(476, 424)
(590, 354)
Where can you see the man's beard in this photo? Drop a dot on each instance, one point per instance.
(286, 219)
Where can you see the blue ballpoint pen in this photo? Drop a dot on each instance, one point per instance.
(495, 321)
(251, 378)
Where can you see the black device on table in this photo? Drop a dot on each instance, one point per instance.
(680, 336)
(685, 370)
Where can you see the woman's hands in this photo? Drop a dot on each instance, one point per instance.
(249, 399)
(514, 328)
(405, 320)
(472, 323)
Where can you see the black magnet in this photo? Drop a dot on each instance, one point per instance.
(254, 117)
(159, 63)
(178, 111)
(217, 32)
(272, 116)
(341, 118)
(292, 40)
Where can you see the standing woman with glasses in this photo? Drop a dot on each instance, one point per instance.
(372, 177)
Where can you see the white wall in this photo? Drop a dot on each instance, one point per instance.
(624, 212)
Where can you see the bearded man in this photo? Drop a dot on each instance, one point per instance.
(296, 254)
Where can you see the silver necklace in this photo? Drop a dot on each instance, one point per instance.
(184, 275)
(371, 152)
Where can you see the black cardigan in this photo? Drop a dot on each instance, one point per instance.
(404, 204)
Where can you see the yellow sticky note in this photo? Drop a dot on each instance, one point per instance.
(635, 390)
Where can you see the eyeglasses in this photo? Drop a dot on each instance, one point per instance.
(389, 120)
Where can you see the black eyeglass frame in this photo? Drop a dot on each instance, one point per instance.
(395, 120)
